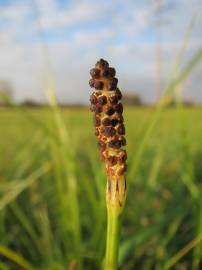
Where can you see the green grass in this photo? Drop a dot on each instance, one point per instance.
(52, 190)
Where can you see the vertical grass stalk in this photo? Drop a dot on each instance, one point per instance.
(110, 131)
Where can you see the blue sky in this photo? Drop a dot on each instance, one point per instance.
(77, 33)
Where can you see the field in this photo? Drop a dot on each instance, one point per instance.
(52, 189)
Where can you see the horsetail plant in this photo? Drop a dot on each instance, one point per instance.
(110, 130)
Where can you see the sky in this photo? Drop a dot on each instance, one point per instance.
(68, 37)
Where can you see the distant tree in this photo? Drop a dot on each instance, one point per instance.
(6, 93)
(30, 103)
(171, 101)
(132, 100)
(188, 102)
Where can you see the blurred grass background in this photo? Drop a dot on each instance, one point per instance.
(52, 211)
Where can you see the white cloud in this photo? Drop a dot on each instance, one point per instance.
(78, 12)
(89, 39)
(98, 29)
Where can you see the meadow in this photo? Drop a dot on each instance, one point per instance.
(52, 190)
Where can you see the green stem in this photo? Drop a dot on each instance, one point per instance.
(113, 231)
